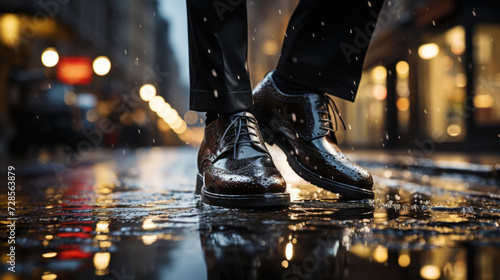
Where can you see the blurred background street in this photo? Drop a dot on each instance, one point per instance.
(94, 116)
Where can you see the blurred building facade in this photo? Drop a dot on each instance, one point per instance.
(430, 80)
(130, 33)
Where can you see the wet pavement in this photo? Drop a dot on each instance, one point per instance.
(132, 214)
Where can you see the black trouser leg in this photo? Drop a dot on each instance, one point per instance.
(218, 56)
(326, 43)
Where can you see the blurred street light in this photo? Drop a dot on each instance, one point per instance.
(147, 92)
(50, 57)
(9, 29)
(428, 51)
(101, 65)
(156, 103)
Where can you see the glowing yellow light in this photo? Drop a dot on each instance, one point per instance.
(380, 254)
(379, 73)
(289, 251)
(379, 92)
(49, 276)
(404, 260)
(454, 130)
(101, 65)
(49, 237)
(455, 37)
(483, 101)
(428, 51)
(402, 68)
(101, 262)
(430, 272)
(181, 128)
(149, 239)
(147, 92)
(171, 117)
(102, 226)
(284, 264)
(177, 123)
(165, 110)
(49, 255)
(9, 29)
(148, 224)
(403, 104)
(156, 103)
(50, 57)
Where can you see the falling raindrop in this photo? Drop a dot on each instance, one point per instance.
(294, 117)
(214, 73)
(125, 51)
(369, 4)
(216, 93)
(209, 51)
(433, 23)
(474, 11)
(279, 11)
(139, 130)
(204, 19)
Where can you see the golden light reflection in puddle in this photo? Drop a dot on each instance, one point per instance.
(289, 251)
(149, 239)
(105, 178)
(49, 276)
(101, 263)
(49, 255)
(148, 224)
(102, 227)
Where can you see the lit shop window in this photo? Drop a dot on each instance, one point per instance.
(487, 74)
(442, 90)
(364, 118)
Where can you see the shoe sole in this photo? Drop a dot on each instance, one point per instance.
(247, 201)
(311, 177)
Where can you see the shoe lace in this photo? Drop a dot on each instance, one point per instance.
(330, 109)
(242, 134)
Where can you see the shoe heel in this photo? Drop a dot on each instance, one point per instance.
(199, 184)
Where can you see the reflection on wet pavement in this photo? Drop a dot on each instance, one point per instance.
(134, 216)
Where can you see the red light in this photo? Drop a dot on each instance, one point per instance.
(75, 70)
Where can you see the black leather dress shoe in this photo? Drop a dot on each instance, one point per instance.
(235, 167)
(301, 126)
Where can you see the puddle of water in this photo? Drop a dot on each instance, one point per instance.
(135, 217)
